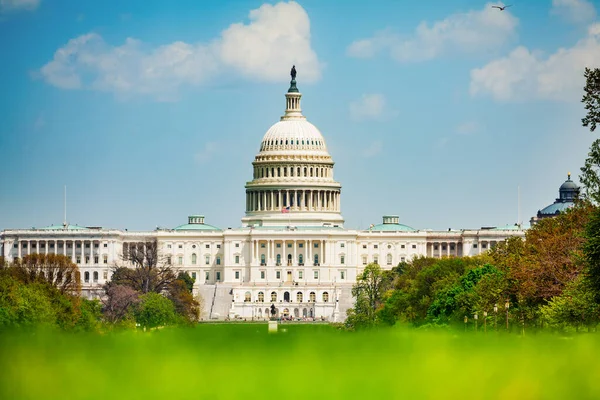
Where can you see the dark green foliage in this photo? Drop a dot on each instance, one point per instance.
(187, 279)
(591, 251)
(154, 310)
(591, 98)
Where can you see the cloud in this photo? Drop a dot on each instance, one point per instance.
(265, 49)
(468, 32)
(525, 74)
(575, 11)
(39, 123)
(18, 5)
(205, 155)
(373, 149)
(370, 106)
(468, 128)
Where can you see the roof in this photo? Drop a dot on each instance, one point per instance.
(294, 134)
(196, 227)
(63, 228)
(556, 208)
(392, 228)
(513, 227)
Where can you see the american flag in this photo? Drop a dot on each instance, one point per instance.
(285, 209)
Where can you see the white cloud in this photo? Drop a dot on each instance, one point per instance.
(17, 5)
(373, 149)
(468, 32)
(576, 11)
(265, 49)
(526, 74)
(205, 155)
(370, 106)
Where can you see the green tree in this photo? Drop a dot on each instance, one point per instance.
(154, 310)
(187, 279)
(575, 307)
(368, 292)
(591, 99)
(591, 252)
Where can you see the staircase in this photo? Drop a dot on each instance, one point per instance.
(218, 300)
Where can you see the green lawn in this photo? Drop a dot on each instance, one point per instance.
(307, 361)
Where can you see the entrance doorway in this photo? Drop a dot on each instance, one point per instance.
(286, 297)
(289, 276)
(286, 313)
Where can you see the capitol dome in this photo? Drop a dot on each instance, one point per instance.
(293, 181)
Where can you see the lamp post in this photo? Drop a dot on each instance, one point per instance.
(485, 322)
(506, 306)
(466, 320)
(495, 315)
(475, 322)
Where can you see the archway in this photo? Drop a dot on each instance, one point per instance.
(286, 297)
(286, 313)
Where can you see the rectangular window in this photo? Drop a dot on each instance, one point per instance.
(475, 246)
(375, 246)
(278, 245)
(289, 245)
(206, 275)
(181, 246)
(96, 245)
(218, 260)
(208, 246)
(402, 259)
(180, 260)
(218, 276)
(78, 245)
(316, 245)
(218, 246)
(263, 245)
(105, 275)
(342, 275)
(316, 274)
(402, 246)
(414, 246)
(364, 246)
(483, 246)
(342, 259)
(301, 245)
(95, 259)
(237, 274)
(375, 259)
(300, 274)
(87, 259)
(207, 260)
(342, 245)
(435, 247)
(237, 259)
(16, 245)
(278, 274)
(237, 245)
(105, 259)
(78, 260)
(106, 245)
(193, 275)
(364, 260)
(87, 245)
(168, 246)
(262, 274)
(169, 260)
(42, 246)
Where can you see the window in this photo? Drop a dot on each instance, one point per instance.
(86, 277)
(193, 246)
(342, 275)
(51, 245)
(96, 245)
(299, 297)
(278, 274)
(105, 259)
(96, 258)
(483, 246)
(218, 260)
(301, 245)
(181, 246)
(375, 246)
(376, 259)
(218, 276)
(316, 274)
(278, 259)
(106, 245)
(79, 261)
(105, 275)
(342, 259)
(300, 259)
(435, 247)
(300, 274)
(443, 247)
(402, 246)
(364, 246)
(402, 259)
(169, 260)
(316, 259)
(237, 245)
(207, 260)
(180, 260)
(16, 246)
(364, 260)
(263, 260)
(263, 245)
(247, 297)
(193, 275)
(95, 276)
(289, 245)
(316, 245)
(87, 245)
(194, 258)
(414, 246)
(168, 246)
(87, 259)
(237, 274)
(278, 245)
(342, 245)
(218, 246)
(389, 259)
(261, 297)
(206, 275)
(325, 297)
(312, 297)
(208, 246)
(273, 296)
(475, 246)
(262, 274)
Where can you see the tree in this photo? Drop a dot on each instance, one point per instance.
(591, 253)
(154, 310)
(368, 293)
(185, 304)
(119, 302)
(150, 273)
(187, 279)
(57, 270)
(590, 171)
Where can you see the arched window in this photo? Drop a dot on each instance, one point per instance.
(311, 171)
(317, 172)
(272, 172)
(304, 171)
(389, 259)
(261, 297)
(262, 260)
(95, 276)
(273, 296)
(300, 259)
(298, 172)
(278, 171)
(247, 297)
(286, 297)
(325, 297)
(194, 258)
(316, 259)
(86, 276)
(312, 297)
(299, 297)
(278, 259)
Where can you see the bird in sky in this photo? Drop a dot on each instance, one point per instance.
(502, 8)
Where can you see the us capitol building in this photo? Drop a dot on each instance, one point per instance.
(291, 251)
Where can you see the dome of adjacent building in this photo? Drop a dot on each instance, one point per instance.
(196, 223)
(64, 227)
(391, 223)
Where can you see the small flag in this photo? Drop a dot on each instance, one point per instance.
(285, 209)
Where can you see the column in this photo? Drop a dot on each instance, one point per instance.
(73, 250)
(309, 259)
(287, 198)
(323, 248)
(19, 247)
(279, 197)
(272, 204)
(295, 257)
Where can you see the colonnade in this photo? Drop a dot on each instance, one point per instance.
(298, 171)
(83, 252)
(296, 199)
(309, 249)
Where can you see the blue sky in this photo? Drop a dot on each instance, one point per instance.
(153, 110)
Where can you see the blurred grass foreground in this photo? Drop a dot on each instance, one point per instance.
(231, 361)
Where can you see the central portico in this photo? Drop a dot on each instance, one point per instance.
(293, 181)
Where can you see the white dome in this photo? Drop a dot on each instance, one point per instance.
(293, 134)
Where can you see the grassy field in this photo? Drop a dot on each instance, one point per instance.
(220, 361)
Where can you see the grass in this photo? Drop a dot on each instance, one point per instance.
(223, 361)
